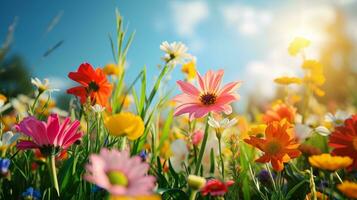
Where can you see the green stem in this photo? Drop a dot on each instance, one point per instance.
(202, 149)
(220, 156)
(53, 173)
(32, 109)
(123, 143)
(193, 195)
(331, 183)
(271, 177)
(154, 90)
(338, 177)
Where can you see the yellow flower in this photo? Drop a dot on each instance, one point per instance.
(315, 74)
(329, 162)
(189, 69)
(297, 45)
(348, 188)
(196, 182)
(125, 124)
(257, 129)
(140, 197)
(113, 69)
(312, 65)
(288, 80)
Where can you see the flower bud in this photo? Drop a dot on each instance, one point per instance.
(196, 182)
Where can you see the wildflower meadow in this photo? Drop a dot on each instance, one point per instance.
(124, 137)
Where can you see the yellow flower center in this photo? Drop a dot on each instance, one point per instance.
(208, 99)
(273, 147)
(117, 178)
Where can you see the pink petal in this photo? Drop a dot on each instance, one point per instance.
(185, 108)
(184, 98)
(72, 140)
(53, 127)
(68, 133)
(201, 82)
(188, 88)
(34, 128)
(26, 144)
(230, 87)
(215, 81)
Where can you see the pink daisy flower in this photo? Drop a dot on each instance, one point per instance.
(50, 137)
(119, 174)
(209, 97)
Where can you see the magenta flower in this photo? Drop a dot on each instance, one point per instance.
(209, 97)
(50, 137)
(119, 174)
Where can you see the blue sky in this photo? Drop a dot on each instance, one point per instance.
(246, 38)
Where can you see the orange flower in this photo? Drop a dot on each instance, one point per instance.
(279, 144)
(94, 85)
(279, 112)
(348, 188)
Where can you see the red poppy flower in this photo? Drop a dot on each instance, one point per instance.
(344, 140)
(94, 85)
(215, 187)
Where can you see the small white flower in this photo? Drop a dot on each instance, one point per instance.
(175, 52)
(337, 119)
(223, 124)
(98, 108)
(302, 132)
(322, 131)
(8, 138)
(42, 86)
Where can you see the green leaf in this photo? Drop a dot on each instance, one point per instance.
(65, 173)
(174, 194)
(166, 129)
(212, 162)
(294, 189)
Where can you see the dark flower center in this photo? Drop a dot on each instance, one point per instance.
(172, 56)
(93, 86)
(208, 99)
(273, 147)
(47, 150)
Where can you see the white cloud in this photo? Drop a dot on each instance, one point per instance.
(260, 74)
(246, 20)
(62, 83)
(188, 15)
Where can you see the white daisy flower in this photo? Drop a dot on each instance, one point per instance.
(338, 118)
(98, 108)
(302, 132)
(322, 131)
(175, 52)
(223, 124)
(42, 85)
(8, 138)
